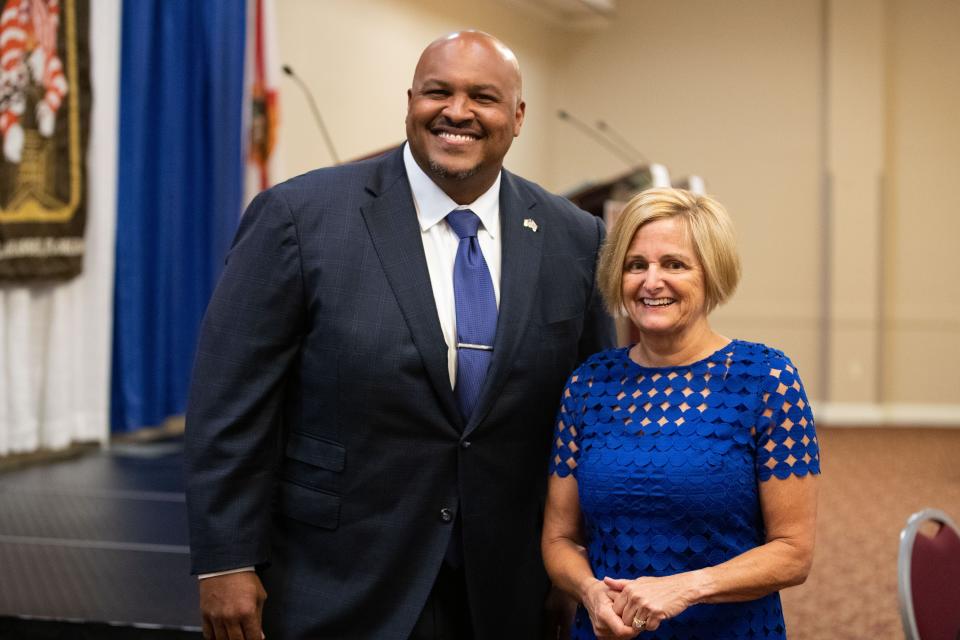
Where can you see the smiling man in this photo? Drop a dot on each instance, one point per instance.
(377, 377)
(463, 112)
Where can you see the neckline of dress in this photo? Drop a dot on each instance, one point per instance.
(626, 354)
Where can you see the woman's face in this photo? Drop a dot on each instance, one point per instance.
(663, 286)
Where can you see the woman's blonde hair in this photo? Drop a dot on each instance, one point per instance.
(711, 234)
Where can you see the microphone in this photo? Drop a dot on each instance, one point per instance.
(287, 69)
(579, 124)
(620, 140)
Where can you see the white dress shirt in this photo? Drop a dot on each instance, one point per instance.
(440, 244)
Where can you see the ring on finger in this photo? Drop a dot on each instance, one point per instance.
(639, 624)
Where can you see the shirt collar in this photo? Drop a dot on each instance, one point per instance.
(433, 204)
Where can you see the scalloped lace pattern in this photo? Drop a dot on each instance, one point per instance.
(667, 462)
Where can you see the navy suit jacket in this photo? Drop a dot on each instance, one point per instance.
(323, 439)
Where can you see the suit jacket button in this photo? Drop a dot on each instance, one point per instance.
(446, 515)
(466, 444)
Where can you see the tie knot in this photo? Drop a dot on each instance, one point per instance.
(463, 222)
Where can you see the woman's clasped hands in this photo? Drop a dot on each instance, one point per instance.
(620, 609)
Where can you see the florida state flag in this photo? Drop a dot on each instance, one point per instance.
(44, 114)
(262, 109)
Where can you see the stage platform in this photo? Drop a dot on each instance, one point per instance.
(96, 547)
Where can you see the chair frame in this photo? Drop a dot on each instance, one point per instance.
(904, 559)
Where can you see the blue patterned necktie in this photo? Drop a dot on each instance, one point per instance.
(476, 311)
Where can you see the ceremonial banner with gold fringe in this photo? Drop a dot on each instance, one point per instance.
(44, 115)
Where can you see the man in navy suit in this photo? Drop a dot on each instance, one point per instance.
(338, 459)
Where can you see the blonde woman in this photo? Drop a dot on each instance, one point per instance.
(683, 484)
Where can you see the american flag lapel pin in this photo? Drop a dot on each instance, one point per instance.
(531, 224)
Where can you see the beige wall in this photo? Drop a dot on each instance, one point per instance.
(922, 269)
(855, 112)
(728, 91)
(766, 100)
(358, 57)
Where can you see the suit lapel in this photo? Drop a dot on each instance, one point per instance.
(392, 223)
(521, 243)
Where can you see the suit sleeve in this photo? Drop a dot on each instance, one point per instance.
(249, 341)
(599, 332)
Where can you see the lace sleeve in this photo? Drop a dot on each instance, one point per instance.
(786, 438)
(566, 441)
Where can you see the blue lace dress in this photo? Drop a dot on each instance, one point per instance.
(668, 462)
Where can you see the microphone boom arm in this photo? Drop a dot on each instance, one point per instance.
(619, 139)
(287, 69)
(563, 115)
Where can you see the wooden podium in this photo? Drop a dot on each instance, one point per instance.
(606, 199)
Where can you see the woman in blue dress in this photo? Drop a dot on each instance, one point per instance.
(683, 486)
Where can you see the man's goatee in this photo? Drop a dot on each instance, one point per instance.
(440, 171)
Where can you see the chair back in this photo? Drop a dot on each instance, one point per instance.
(928, 577)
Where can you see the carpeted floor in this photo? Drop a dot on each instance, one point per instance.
(873, 479)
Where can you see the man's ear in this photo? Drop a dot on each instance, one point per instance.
(518, 118)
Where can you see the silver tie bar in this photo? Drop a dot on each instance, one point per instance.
(478, 347)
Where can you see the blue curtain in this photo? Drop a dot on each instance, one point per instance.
(180, 190)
